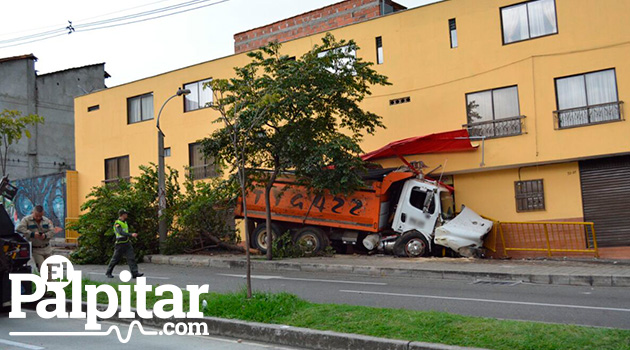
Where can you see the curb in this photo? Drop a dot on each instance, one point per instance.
(282, 335)
(557, 279)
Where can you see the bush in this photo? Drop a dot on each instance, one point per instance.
(205, 213)
(96, 243)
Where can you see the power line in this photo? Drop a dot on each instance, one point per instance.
(83, 19)
(111, 22)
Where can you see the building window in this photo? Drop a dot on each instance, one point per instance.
(167, 152)
(94, 108)
(419, 199)
(494, 113)
(340, 64)
(379, 50)
(117, 169)
(529, 20)
(140, 108)
(586, 99)
(452, 27)
(200, 96)
(530, 195)
(201, 167)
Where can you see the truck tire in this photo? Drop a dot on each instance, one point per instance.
(312, 239)
(259, 236)
(412, 245)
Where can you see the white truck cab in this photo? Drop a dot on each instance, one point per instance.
(425, 207)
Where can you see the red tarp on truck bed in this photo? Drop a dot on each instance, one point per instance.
(450, 141)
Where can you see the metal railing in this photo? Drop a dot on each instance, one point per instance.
(202, 172)
(71, 235)
(497, 128)
(594, 114)
(548, 238)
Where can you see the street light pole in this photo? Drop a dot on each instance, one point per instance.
(161, 181)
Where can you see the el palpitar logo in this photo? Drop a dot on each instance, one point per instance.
(62, 274)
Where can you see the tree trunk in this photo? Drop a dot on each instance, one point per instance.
(268, 188)
(248, 264)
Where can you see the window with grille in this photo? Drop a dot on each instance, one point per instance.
(528, 20)
(117, 169)
(140, 108)
(530, 195)
(200, 95)
(201, 167)
(494, 113)
(586, 99)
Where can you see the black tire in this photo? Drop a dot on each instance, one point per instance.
(312, 239)
(259, 236)
(411, 244)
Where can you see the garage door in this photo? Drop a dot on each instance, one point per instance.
(606, 199)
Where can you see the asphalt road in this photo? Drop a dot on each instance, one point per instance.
(593, 306)
(33, 323)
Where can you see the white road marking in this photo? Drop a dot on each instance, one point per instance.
(261, 277)
(116, 275)
(21, 345)
(489, 301)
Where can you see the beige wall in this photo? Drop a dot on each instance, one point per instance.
(492, 193)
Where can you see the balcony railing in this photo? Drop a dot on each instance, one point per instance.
(595, 114)
(497, 128)
(202, 171)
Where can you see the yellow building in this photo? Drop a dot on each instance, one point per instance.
(543, 81)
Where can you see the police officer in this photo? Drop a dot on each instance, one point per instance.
(39, 230)
(123, 246)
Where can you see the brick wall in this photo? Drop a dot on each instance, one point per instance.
(313, 22)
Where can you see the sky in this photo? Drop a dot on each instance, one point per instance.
(139, 50)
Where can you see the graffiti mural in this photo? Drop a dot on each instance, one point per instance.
(48, 191)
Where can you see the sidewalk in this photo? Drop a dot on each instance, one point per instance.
(577, 273)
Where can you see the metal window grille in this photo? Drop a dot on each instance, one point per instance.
(530, 195)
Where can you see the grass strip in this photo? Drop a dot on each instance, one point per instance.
(424, 326)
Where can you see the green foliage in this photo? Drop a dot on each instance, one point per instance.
(14, 125)
(283, 247)
(262, 307)
(204, 210)
(96, 243)
(300, 114)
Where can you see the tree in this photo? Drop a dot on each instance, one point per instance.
(13, 125)
(243, 108)
(312, 122)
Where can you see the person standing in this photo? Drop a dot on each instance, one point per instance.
(39, 230)
(123, 246)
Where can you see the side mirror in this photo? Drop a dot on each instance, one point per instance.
(427, 201)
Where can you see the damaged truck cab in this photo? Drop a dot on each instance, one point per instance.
(398, 213)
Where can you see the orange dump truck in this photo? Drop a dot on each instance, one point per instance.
(398, 212)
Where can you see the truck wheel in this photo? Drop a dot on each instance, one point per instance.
(411, 244)
(259, 236)
(312, 239)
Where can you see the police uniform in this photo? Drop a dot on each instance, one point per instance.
(28, 227)
(123, 248)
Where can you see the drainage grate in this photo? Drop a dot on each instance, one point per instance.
(497, 283)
